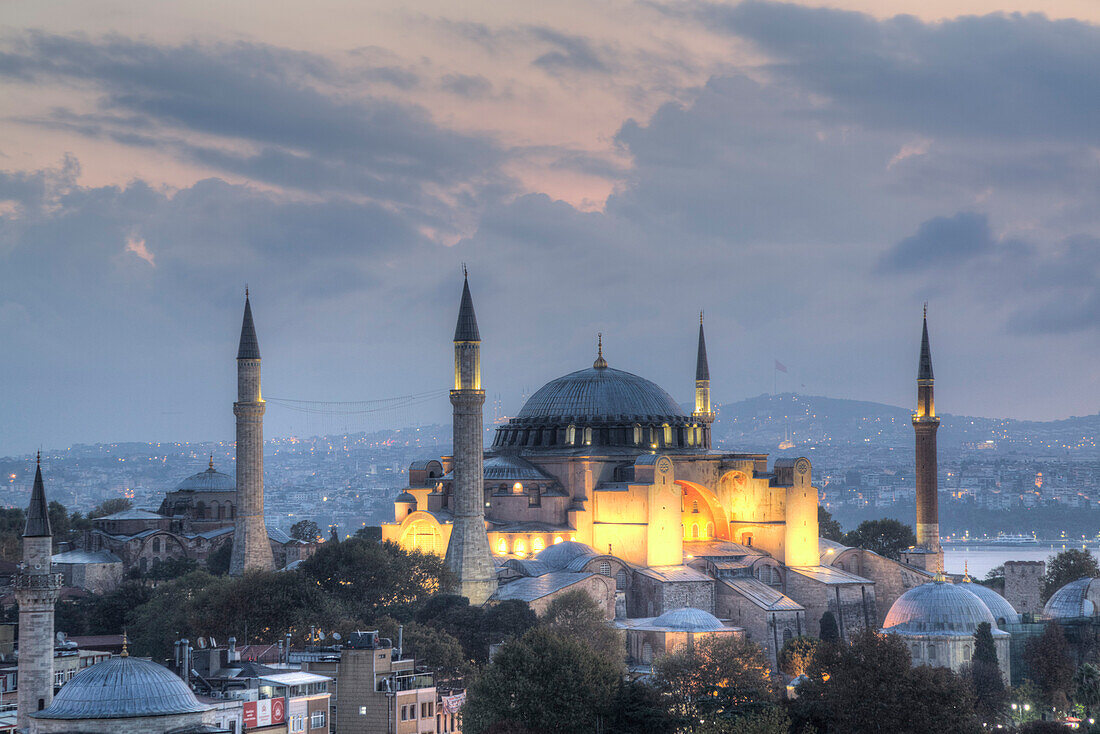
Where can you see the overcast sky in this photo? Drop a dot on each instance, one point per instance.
(807, 175)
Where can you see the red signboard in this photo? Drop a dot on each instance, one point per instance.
(264, 713)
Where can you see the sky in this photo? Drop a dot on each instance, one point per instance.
(808, 175)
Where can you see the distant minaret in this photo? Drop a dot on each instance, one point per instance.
(468, 549)
(36, 589)
(702, 414)
(251, 548)
(925, 425)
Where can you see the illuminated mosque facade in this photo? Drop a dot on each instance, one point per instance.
(602, 481)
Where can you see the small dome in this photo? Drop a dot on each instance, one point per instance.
(210, 480)
(1074, 600)
(997, 604)
(689, 619)
(938, 608)
(122, 688)
(406, 497)
(560, 555)
(601, 393)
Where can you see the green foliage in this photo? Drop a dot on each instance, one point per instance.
(830, 632)
(986, 682)
(1052, 668)
(476, 627)
(110, 507)
(218, 562)
(720, 678)
(797, 655)
(576, 614)
(549, 682)
(827, 527)
(306, 530)
(368, 578)
(372, 533)
(12, 524)
(639, 707)
(1069, 565)
(1086, 687)
(767, 719)
(59, 521)
(868, 686)
(171, 568)
(887, 537)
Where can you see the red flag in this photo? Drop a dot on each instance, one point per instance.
(779, 366)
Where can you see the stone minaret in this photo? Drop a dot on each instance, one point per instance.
(36, 589)
(703, 414)
(468, 549)
(925, 425)
(251, 548)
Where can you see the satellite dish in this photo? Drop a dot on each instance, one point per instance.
(336, 636)
(320, 635)
(61, 638)
(202, 643)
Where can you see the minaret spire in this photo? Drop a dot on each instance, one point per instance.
(251, 548)
(468, 555)
(925, 426)
(38, 513)
(703, 414)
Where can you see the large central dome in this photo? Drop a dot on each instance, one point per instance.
(601, 393)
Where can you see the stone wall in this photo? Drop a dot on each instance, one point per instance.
(853, 604)
(1024, 584)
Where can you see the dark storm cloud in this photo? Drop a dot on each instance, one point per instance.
(941, 242)
(995, 75)
(287, 102)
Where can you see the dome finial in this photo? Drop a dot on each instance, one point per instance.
(211, 462)
(125, 642)
(966, 571)
(600, 363)
(700, 317)
(38, 459)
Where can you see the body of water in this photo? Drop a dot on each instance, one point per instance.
(983, 558)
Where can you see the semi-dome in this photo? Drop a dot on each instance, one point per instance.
(601, 392)
(122, 688)
(1074, 600)
(689, 619)
(210, 480)
(406, 497)
(938, 608)
(998, 606)
(559, 555)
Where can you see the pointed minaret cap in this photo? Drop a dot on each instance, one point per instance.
(600, 363)
(924, 371)
(38, 514)
(466, 329)
(702, 370)
(250, 347)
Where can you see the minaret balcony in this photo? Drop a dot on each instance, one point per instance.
(38, 581)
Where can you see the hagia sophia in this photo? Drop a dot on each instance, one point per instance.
(601, 483)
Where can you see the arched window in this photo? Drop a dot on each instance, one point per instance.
(710, 530)
(605, 568)
(587, 436)
(557, 539)
(647, 653)
(695, 506)
(787, 635)
(746, 539)
(156, 545)
(637, 434)
(695, 530)
(534, 496)
(520, 548)
(502, 546)
(931, 653)
(621, 579)
(571, 434)
(517, 488)
(537, 544)
(221, 512)
(668, 434)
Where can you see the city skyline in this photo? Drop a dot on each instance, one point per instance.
(807, 176)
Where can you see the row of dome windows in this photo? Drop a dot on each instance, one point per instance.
(653, 436)
(519, 546)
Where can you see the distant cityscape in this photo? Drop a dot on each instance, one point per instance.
(1046, 474)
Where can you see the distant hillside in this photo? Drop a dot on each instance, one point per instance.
(761, 423)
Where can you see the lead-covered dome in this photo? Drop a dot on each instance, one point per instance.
(601, 392)
(938, 608)
(1074, 600)
(210, 480)
(998, 606)
(689, 619)
(122, 688)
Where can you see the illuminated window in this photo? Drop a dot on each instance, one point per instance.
(571, 435)
(502, 546)
(668, 434)
(637, 434)
(587, 436)
(695, 506)
(695, 530)
(517, 488)
(710, 530)
(557, 539)
(691, 436)
(537, 544)
(520, 548)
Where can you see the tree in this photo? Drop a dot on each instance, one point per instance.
(59, 521)
(639, 707)
(1069, 565)
(12, 524)
(1051, 666)
(218, 562)
(768, 719)
(1086, 687)
(306, 530)
(887, 537)
(869, 686)
(830, 632)
(172, 568)
(577, 614)
(549, 683)
(797, 655)
(717, 678)
(454, 615)
(827, 527)
(985, 676)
